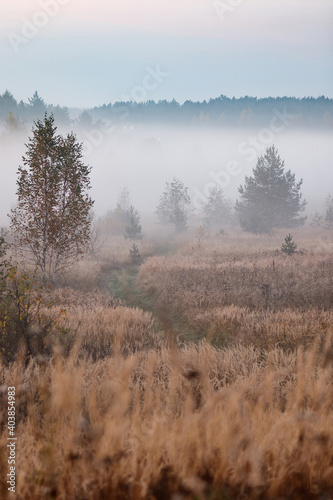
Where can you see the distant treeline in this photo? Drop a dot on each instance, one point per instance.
(34, 109)
(222, 111)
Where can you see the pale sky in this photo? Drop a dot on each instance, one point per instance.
(89, 52)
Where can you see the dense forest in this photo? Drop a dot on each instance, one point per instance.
(222, 111)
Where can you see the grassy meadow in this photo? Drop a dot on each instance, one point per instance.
(201, 371)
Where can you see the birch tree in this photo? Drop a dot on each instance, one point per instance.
(52, 218)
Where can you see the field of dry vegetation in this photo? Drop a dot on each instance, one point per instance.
(217, 384)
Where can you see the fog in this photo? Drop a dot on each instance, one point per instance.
(144, 157)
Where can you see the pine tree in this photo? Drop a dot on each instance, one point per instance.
(134, 253)
(37, 105)
(173, 207)
(271, 198)
(289, 246)
(52, 219)
(133, 227)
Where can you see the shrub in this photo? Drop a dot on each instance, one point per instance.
(24, 320)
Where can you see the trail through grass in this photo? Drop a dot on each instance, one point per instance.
(122, 284)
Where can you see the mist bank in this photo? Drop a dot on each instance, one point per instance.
(144, 157)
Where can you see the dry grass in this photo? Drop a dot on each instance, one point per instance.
(287, 328)
(195, 422)
(273, 282)
(88, 273)
(231, 291)
(128, 415)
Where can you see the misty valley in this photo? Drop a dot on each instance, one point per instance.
(166, 299)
